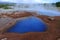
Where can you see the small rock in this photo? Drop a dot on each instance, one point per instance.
(51, 18)
(4, 39)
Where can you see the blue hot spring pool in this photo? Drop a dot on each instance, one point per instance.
(30, 24)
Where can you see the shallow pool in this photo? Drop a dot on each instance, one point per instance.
(30, 24)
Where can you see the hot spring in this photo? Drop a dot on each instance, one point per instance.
(30, 24)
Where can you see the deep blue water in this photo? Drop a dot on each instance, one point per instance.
(31, 24)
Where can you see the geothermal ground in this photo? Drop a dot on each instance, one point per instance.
(9, 19)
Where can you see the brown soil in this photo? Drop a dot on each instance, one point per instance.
(53, 32)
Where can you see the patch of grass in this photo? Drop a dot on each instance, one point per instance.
(5, 6)
(58, 4)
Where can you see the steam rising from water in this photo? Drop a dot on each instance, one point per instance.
(48, 9)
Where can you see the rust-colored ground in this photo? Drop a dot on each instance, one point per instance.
(53, 32)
